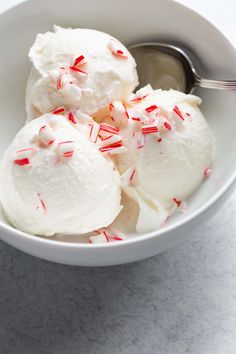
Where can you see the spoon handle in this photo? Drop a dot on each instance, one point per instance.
(216, 84)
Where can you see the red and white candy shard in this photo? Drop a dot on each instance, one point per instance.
(177, 202)
(106, 235)
(129, 177)
(94, 131)
(178, 113)
(140, 94)
(139, 140)
(207, 172)
(42, 203)
(164, 123)
(59, 110)
(119, 113)
(151, 108)
(23, 156)
(112, 140)
(78, 64)
(115, 150)
(115, 48)
(72, 118)
(79, 61)
(149, 129)
(59, 81)
(46, 135)
(66, 149)
(107, 129)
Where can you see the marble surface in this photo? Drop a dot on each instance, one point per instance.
(182, 301)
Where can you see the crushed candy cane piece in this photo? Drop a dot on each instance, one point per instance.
(59, 110)
(178, 112)
(72, 118)
(94, 132)
(177, 202)
(59, 82)
(108, 128)
(151, 108)
(149, 129)
(42, 202)
(78, 63)
(113, 150)
(207, 172)
(118, 112)
(22, 162)
(140, 94)
(106, 235)
(66, 149)
(23, 156)
(114, 47)
(46, 135)
(111, 140)
(167, 126)
(140, 140)
(129, 177)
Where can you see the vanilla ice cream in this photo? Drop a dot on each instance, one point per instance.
(53, 179)
(78, 69)
(169, 147)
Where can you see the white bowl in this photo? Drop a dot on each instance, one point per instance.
(131, 21)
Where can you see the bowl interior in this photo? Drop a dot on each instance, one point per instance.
(160, 20)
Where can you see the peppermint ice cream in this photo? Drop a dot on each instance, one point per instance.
(169, 149)
(53, 179)
(78, 69)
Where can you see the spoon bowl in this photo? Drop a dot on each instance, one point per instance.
(168, 66)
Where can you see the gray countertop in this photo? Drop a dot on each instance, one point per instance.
(181, 301)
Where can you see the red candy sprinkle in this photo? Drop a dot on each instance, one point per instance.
(41, 201)
(151, 108)
(207, 172)
(149, 129)
(59, 110)
(167, 125)
(66, 148)
(177, 111)
(94, 132)
(132, 175)
(71, 118)
(46, 135)
(177, 202)
(113, 45)
(109, 128)
(106, 235)
(73, 68)
(22, 162)
(59, 82)
(79, 61)
(137, 99)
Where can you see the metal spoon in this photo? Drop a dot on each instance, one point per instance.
(168, 66)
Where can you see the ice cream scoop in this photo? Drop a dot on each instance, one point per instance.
(169, 150)
(79, 69)
(55, 180)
